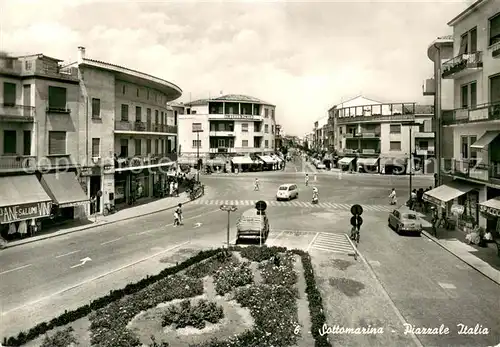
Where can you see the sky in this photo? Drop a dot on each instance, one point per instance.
(304, 57)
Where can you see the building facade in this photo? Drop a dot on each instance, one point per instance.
(41, 143)
(130, 131)
(320, 135)
(377, 137)
(472, 128)
(225, 127)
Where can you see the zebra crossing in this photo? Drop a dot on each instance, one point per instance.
(328, 205)
(336, 243)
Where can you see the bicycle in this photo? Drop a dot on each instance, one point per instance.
(355, 236)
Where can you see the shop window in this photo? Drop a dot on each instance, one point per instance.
(9, 142)
(57, 143)
(395, 145)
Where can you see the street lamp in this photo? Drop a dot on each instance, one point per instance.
(228, 209)
(411, 124)
(197, 129)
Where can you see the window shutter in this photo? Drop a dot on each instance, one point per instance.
(463, 45)
(57, 98)
(96, 146)
(9, 94)
(495, 29)
(495, 89)
(57, 142)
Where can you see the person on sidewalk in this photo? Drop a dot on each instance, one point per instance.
(176, 189)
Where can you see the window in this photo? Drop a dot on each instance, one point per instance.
(266, 128)
(272, 129)
(124, 148)
(424, 145)
(138, 94)
(157, 146)
(464, 96)
(495, 89)
(495, 29)
(272, 143)
(9, 94)
(124, 112)
(472, 151)
(96, 108)
(26, 142)
(157, 117)
(266, 143)
(468, 95)
(266, 113)
(148, 94)
(244, 127)
(148, 146)
(272, 113)
(395, 129)
(464, 146)
(138, 115)
(196, 143)
(244, 143)
(57, 98)
(138, 147)
(395, 145)
(9, 142)
(96, 147)
(221, 143)
(28, 65)
(124, 89)
(162, 118)
(196, 127)
(57, 142)
(473, 95)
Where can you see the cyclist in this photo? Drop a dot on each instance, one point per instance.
(307, 179)
(355, 234)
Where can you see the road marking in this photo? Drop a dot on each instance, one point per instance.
(374, 263)
(63, 255)
(17, 268)
(278, 236)
(447, 285)
(82, 262)
(105, 243)
(312, 241)
(93, 279)
(197, 225)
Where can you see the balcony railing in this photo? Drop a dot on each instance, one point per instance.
(138, 161)
(481, 113)
(60, 110)
(221, 150)
(145, 127)
(248, 149)
(421, 151)
(495, 50)
(369, 134)
(374, 112)
(17, 163)
(424, 134)
(462, 64)
(17, 113)
(224, 133)
(55, 161)
(471, 169)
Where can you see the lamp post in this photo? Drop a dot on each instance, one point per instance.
(411, 124)
(197, 129)
(228, 209)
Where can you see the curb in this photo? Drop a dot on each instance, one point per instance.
(92, 226)
(435, 240)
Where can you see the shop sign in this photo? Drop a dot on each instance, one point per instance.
(239, 116)
(457, 209)
(25, 211)
(488, 210)
(86, 171)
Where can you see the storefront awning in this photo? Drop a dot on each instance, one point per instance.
(278, 159)
(345, 161)
(216, 162)
(447, 192)
(485, 140)
(242, 161)
(491, 206)
(64, 189)
(367, 161)
(267, 159)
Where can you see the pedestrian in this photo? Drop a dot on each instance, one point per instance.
(256, 185)
(392, 197)
(413, 199)
(171, 190)
(176, 189)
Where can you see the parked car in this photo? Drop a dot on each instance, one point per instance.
(253, 224)
(287, 192)
(404, 220)
(320, 166)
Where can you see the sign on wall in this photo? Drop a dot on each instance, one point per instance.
(25, 211)
(196, 127)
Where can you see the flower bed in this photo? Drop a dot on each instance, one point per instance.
(279, 272)
(232, 275)
(258, 254)
(185, 314)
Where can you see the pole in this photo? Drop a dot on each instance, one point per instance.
(198, 156)
(437, 117)
(228, 224)
(411, 161)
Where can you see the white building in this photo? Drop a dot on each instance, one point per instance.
(320, 134)
(472, 128)
(230, 125)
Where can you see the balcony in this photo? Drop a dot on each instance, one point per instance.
(370, 151)
(425, 152)
(17, 113)
(57, 161)
(462, 65)
(481, 113)
(248, 149)
(376, 113)
(222, 133)
(368, 135)
(495, 50)
(235, 117)
(127, 127)
(17, 163)
(429, 87)
(222, 150)
(145, 161)
(472, 169)
(348, 135)
(424, 135)
(57, 110)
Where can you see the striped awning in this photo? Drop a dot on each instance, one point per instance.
(491, 207)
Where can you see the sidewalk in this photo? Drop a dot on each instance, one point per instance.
(122, 215)
(483, 259)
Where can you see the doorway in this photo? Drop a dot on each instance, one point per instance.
(95, 186)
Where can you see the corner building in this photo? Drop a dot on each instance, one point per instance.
(130, 131)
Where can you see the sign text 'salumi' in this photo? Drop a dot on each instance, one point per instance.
(25, 211)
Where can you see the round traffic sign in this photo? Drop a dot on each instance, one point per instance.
(261, 205)
(99, 193)
(357, 210)
(356, 221)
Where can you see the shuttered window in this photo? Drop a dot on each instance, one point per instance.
(9, 94)
(138, 113)
(57, 98)
(495, 89)
(96, 108)
(96, 147)
(463, 45)
(148, 146)
(125, 112)
(495, 29)
(57, 142)
(138, 145)
(9, 141)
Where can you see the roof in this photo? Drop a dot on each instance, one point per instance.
(39, 55)
(441, 40)
(230, 98)
(467, 12)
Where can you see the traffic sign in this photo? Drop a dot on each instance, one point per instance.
(261, 205)
(356, 221)
(99, 193)
(357, 210)
(228, 208)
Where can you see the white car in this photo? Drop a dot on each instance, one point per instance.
(287, 192)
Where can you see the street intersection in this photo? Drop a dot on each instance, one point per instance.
(422, 284)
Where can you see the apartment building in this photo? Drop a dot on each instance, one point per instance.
(40, 143)
(381, 137)
(130, 131)
(228, 129)
(320, 135)
(472, 127)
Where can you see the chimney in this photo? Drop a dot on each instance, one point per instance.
(81, 54)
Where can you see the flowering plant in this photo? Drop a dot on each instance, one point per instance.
(232, 275)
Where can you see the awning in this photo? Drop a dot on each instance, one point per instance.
(242, 161)
(64, 189)
(22, 197)
(368, 161)
(267, 159)
(345, 161)
(216, 162)
(485, 140)
(447, 192)
(186, 161)
(491, 207)
(278, 159)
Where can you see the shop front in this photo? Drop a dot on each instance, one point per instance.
(216, 164)
(393, 165)
(368, 165)
(347, 163)
(268, 163)
(23, 204)
(242, 164)
(490, 210)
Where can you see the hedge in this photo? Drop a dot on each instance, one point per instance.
(71, 316)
